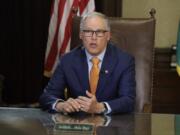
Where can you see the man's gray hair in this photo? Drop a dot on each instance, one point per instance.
(94, 14)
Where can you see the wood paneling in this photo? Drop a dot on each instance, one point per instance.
(111, 8)
(166, 92)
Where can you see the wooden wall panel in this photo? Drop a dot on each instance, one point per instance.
(166, 92)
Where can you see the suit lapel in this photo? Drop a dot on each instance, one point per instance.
(107, 67)
(81, 70)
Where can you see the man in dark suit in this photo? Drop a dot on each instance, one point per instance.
(106, 87)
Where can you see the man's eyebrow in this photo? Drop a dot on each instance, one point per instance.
(96, 29)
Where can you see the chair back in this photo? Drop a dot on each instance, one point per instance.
(135, 36)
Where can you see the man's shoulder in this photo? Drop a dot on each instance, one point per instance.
(120, 56)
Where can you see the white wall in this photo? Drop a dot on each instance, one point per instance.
(167, 16)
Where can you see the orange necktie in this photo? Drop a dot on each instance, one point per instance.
(94, 75)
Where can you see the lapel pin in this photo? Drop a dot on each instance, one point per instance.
(106, 71)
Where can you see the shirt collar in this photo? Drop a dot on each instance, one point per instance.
(100, 56)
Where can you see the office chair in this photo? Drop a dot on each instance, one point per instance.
(136, 36)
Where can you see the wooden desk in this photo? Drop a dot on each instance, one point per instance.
(19, 121)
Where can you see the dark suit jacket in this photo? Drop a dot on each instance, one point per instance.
(116, 84)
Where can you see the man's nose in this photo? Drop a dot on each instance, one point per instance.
(94, 36)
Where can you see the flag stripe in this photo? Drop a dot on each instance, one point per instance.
(52, 31)
(68, 29)
(67, 16)
(60, 29)
(89, 7)
(52, 27)
(66, 13)
(54, 48)
(82, 5)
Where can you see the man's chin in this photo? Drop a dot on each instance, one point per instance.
(94, 53)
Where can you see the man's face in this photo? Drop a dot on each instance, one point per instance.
(95, 42)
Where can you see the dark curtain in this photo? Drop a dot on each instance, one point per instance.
(24, 30)
(112, 8)
(23, 37)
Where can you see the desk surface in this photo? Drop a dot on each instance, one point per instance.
(27, 121)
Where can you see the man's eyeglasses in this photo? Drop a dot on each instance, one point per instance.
(99, 33)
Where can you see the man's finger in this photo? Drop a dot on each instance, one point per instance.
(68, 108)
(74, 104)
(81, 102)
(86, 99)
(89, 94)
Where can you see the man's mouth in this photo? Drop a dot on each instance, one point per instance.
(93, 45)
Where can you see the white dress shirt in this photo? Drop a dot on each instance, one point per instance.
(100, 57)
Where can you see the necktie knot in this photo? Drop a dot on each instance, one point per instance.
(95, 61)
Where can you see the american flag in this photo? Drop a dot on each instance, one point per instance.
(60, 26)
(178, 51)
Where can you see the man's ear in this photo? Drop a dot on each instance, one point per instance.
(109, 36)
